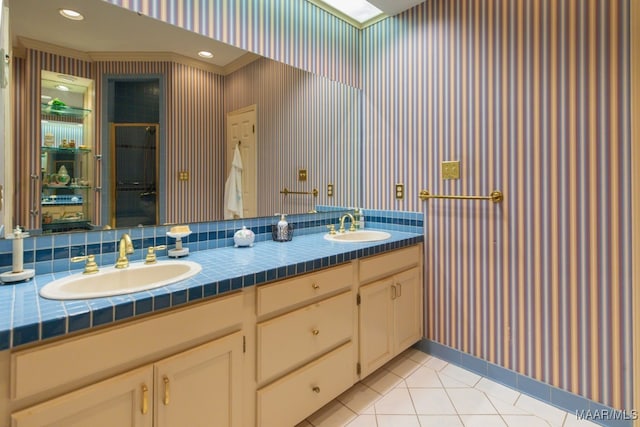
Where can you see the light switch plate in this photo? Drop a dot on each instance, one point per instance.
(399, 191)
(302, 175)
(329, 190)
(183, 176)
(451, 169)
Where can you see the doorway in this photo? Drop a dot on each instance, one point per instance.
(132, 148)
(241, 133)
(134, 174)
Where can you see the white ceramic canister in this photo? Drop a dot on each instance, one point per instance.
(243, 237)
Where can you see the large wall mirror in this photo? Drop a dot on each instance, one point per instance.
(160, 111)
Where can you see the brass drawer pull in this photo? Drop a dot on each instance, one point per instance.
(316, 389)
(394, 292)
(315, 331)
(145, 399)
(165, 400)
(399, 285)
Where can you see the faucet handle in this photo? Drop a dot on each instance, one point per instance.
(332, 229)
(353, 226)
(90, 267)
(151, 254)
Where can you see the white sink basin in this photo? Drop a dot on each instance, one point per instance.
(111, 281)
(358, 236)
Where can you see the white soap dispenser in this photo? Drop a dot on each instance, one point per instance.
(18, 273)
(282, 234)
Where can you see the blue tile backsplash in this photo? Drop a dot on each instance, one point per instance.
(25, 317)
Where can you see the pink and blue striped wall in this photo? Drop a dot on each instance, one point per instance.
(532, 97)
(293, 32)
(304, 122)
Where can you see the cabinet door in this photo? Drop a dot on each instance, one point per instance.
(376, 325)
(121, 401)
(201, 386)
(408, 309)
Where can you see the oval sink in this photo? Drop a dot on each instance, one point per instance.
(358, 236)
(111, 281)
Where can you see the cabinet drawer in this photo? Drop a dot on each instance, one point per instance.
(135, 342)
(383, 265)
(294, 338)
(287, 293)
(310, 387)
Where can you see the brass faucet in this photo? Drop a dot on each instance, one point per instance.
(90, 267)
(353, 222)
(125, 247)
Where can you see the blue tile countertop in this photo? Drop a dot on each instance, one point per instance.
(25, 317)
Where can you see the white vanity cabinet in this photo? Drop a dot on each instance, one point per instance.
(197, 387)
(179, 368)
(306, 355)
(390, 314)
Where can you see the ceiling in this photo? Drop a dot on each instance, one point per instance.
(115, 29)
(112, 29)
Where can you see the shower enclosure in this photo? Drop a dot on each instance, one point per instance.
(134, 174)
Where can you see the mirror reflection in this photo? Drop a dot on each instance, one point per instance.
(161, 128)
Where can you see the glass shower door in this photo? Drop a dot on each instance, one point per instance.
(134, 174)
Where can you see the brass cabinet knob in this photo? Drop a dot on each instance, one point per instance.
(316, 389)
(315, 286)
(315, 331)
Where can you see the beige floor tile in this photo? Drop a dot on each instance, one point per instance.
(440, 421)
(435, 363)
(494, 389)
(524, 421)
(423, 377)
(449, 382)
(382, 381)
(360, 399)
(364, 421)
(482, 421)
(417, 356)
(402, 367)
(470, 401)
(572, 421)
(505, 408)
(553, 415)
(431, 401)
(332, 415)
(396, 402)
(460, 374)
(397, 421)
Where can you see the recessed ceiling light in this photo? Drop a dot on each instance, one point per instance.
(62, 88)
(205, 54)
(71, 14)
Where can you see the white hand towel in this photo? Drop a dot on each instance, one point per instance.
(233, 188)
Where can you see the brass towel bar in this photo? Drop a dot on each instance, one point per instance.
(287, 192)
(495, 196)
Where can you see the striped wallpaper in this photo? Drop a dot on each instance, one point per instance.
(304, 122)
(297, 33)
(532, 97)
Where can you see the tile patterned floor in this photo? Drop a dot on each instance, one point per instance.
(418, 390)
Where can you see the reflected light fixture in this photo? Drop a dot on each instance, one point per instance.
(358, 10)
(62, 88)
(205, 54)
(71, 14)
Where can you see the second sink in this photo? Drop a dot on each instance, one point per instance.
(358, 236)
(111, 281)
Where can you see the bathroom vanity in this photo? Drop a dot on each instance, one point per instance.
(265, 355)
